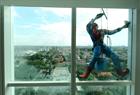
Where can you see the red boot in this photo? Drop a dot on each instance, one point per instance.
(123, 72)
(86, 74)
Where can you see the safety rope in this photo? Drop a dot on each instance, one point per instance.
(108, 37)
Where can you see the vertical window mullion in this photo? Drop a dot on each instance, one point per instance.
(130, 42)
(73, 52)
(132, 46)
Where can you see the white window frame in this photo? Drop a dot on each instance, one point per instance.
(8, 82)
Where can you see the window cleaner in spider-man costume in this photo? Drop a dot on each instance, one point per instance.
(97, 37)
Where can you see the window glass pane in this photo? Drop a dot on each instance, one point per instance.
(63, 90)
(110, 35)
(102, 90)
(42, 41)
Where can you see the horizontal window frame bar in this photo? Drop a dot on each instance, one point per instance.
(71, 3)
(105, 83)
(37, 83)
(67, 83)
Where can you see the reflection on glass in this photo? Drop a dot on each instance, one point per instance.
(102, 90)
(43, 91)
(42, 43)
(118, 43)
(65, 90)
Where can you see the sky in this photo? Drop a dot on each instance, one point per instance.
(52, 26)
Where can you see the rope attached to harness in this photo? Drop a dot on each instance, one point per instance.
(108, 37)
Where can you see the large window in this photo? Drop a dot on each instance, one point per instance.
(42, 47)
(50, 47)
(117, 42)
(41, 40)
